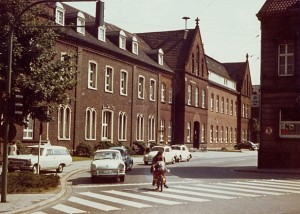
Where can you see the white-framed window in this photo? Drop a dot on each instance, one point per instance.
(231, 107)
(64, 122)
(221, 134)
(286, 59)
(212, 102)
(162, 131)
(90, 123)
(141, 87)
(246, 110)
(123, 82)
(231, 135)
(140, 127)
(217, 134)
(170, 131)
(152, 89)
(92, 75)
(226, 135)
(217, 103)
(203, 132)
(189, 132)
(122, 40)
(235, 108)
(101, 33)
(28, 129)
(151, 129)
(189, 95)
(170, 96)
(163, 93)
(107, 125)
(222, 105)
(289, 123)
(196, 96)
(122, 126)
(109, 79)
(160, 57)
(227, 106)
(243, 110)
(59, 14)
(135, 46)
(203, 98)
(80, 23)
(235, 135)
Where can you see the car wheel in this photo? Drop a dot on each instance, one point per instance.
(122, 178)
(60, 168)
(35, 169)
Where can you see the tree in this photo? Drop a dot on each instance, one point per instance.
(40, 74)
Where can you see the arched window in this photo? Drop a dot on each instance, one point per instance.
(64, 122)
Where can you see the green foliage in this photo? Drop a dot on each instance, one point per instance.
(22, 182)
(139, 148)
(84, 150)
(104, 145)
(39, 73)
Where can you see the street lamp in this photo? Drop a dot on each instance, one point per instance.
(8, 88)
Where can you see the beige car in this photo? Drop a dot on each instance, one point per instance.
(168, 154)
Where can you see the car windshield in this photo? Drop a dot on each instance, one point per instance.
(32, 151)
(157, 149)
(176, 147)
(106, 155)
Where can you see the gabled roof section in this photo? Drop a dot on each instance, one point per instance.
(237, 72)
(277, 6)
(175, 44)
(216, 67)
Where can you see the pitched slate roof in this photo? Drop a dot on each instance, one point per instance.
(175, 44)
(276, 6)
(90, 39)
(216, 67)
(237, 72)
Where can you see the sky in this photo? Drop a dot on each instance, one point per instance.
(229, 28)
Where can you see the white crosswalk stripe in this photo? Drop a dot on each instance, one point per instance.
(196, 192)
(67, 209)
(115, 200)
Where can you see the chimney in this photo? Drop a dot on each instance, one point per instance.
(185, 28)
(99, 13)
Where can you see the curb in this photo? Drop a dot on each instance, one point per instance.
(53, 198)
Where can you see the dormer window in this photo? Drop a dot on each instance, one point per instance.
(160, 57)
(59, 14)
(135, 46)
(122, 40)
(80, 23)
(101, 33)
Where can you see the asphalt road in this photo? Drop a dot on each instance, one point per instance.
(211, 182)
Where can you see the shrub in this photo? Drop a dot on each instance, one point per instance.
(104, 145)
(84, 150)
(22, 182)
(139, 148)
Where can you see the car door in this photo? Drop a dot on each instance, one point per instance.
(168, 155)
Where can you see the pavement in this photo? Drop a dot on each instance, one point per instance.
(23, 203)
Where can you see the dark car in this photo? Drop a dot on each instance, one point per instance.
(246, 145)
(126, 156)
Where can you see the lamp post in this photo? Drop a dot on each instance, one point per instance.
(8, 88)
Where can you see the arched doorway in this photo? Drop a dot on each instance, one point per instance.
(196, 135)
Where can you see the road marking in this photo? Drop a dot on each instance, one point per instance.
(198, 194)
(67, 209)
(247, 188)
(264, 187)
(287, 181)
(178, 197)
(206, 188)
(142, 197)
(94, 205)
(242, 190)
(294, 186)
(115, 200)
(38, 212)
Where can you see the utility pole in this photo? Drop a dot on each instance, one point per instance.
(7, 120)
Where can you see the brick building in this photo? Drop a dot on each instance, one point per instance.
(280, 79)
(146, 87)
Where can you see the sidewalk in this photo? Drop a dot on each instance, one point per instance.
(22, 203)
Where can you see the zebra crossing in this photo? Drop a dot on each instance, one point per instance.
(182, 193)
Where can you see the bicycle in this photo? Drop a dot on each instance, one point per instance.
(160, 182)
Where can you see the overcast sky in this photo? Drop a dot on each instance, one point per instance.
(229, 28)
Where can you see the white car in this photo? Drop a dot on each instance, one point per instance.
(51, 157)
(168, 155)
(108, 163)
(182, 152)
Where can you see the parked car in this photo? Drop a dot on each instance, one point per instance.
(125, 156)
(246, 145)
(182, 152)
(107, 163)
(168, 154)
(51, 157)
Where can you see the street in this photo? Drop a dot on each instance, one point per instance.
(211, 182)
